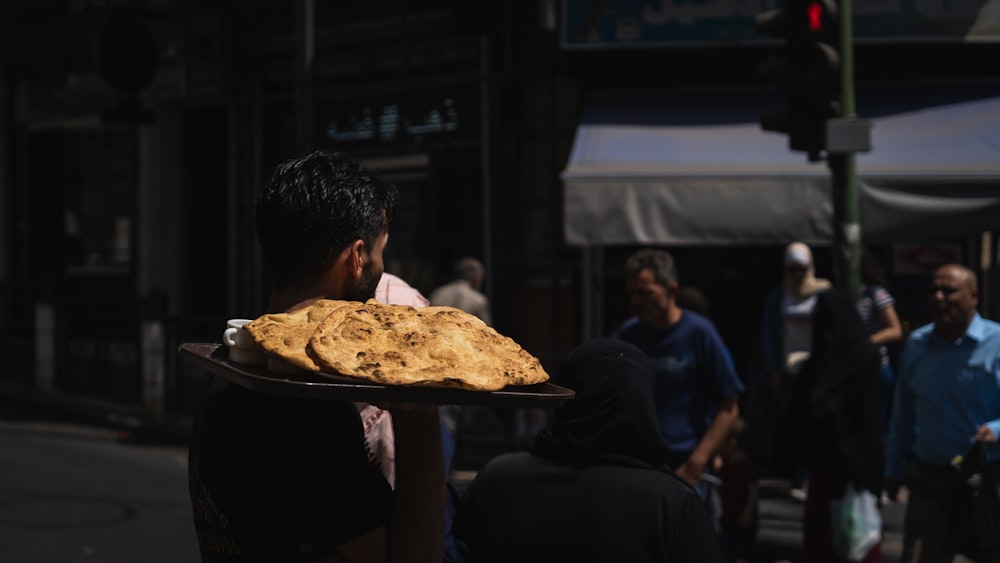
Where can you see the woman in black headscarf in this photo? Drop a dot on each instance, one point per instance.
(837, 398)
(594, 486)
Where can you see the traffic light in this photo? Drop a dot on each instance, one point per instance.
(809, 71)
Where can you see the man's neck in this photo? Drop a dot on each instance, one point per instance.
(672, 317)
(951, 333)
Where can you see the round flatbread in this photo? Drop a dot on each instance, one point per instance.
(431, 346)
(286, 335)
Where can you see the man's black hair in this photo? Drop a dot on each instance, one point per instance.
(315, 206)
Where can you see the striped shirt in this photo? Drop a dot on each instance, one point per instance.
(874, 299)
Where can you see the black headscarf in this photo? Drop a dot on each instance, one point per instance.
(611, 420)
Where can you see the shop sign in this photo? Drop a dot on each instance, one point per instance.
(923, 259)
(604, 24)
(410, 120)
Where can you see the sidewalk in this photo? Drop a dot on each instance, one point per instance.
(780, 534)
(173, 428)
(779, 537)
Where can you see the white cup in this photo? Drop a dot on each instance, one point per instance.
(242, 348)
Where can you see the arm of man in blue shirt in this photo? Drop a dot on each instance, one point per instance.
(727, 412)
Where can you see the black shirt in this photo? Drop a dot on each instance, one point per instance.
(267, 473)
(526, 508)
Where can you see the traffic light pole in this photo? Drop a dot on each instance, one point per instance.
(843, 175)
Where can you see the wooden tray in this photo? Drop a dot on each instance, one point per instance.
(214, 358)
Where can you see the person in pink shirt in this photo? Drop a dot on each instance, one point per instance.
(393, 290)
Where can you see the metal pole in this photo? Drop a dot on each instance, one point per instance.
(486, 150)
(847, 230)
(305, 53)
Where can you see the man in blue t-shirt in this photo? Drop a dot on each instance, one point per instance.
(697, 388)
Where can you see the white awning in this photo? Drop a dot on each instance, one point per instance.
(697, 169)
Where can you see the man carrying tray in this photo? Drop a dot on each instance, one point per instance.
(280, 479)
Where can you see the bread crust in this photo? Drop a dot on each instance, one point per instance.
(286, 335)
(398, 345)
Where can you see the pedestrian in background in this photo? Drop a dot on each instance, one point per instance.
(837, 415)
(738, 495)
(394, 290)
(696, 386)
(878, 311)
(947, 398)
(595, 485)
(691, 298)
(464, 291)
(786, 341)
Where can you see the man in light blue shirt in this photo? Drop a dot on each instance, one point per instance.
(947, 397)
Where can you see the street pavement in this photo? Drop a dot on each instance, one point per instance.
(80, 486)
(780, 536)
(75, 492)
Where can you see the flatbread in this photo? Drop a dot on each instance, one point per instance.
(397, 345)
(286, 335)
(432, 346)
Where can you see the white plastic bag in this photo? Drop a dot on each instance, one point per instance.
(856, 523)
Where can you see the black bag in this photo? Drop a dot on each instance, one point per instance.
(980, 502)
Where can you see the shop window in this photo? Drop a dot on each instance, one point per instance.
(81, 182)
(98, 187)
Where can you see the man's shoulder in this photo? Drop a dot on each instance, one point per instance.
(990, 328)
(989, 336)
(922, 333)
(447, 289)
(472, 293)
(696, 320)
(230, 398)
(698, 324)
(690, 323)
(512, 464)
(630, 330)
(394, 290)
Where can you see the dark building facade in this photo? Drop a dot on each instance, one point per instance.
(134, 136)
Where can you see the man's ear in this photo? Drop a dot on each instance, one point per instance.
(354, 257)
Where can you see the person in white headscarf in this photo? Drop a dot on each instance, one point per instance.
(797, 303)
(786, 341)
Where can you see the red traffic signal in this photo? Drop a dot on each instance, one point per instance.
(821, 18)
(814, 13)
(809, 71)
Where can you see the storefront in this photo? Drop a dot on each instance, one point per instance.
(695, 170)
(146, 196)
(128, 204)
